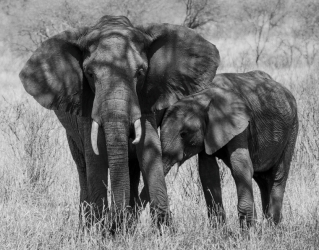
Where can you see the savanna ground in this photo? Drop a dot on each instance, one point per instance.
(39, 190)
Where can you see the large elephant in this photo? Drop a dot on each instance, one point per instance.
(107, 83)
(247, 120)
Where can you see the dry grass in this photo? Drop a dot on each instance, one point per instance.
(39, 189)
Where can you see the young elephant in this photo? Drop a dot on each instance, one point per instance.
(247, 120)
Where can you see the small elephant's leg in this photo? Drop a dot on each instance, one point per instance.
(242, 172)
(210, 178)
(279, 176)
(263, 184)
(276, 196)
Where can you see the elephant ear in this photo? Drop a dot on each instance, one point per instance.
(181, 62)
(227, 116)
(54, 76)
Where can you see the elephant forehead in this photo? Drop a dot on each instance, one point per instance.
(187, 107)
(184, 114)
(116, 46)
(115, 54)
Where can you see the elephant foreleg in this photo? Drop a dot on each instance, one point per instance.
(79, 160)
(242, 171)
(210, 179)
(134, 169)
(96, 175)
(150, 158)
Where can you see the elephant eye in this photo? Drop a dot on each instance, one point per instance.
(140, 72)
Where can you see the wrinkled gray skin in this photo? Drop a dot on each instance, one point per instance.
(118, 76)
(247, 120)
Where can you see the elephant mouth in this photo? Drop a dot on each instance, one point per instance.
(169, 166)
(95, 131)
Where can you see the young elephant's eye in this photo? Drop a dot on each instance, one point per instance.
(89, 73)
(183, 134)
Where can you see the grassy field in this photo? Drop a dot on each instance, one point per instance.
(39, 190)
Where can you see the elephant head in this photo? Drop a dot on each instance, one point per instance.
(206, 121)
(117, 73)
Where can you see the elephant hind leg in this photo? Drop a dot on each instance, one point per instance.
(278, 179)
(264, 184)
(276, 189)
(272, 187)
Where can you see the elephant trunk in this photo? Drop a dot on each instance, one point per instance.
(116, 109)
(116, 137)
(172, 150)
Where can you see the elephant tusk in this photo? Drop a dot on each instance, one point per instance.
(138, 131)
(94, 134)
(177, 164)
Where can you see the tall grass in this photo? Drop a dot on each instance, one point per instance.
(39, 191)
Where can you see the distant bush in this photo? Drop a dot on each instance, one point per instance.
(32, 135)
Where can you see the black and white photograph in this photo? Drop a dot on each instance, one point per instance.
(159, 124)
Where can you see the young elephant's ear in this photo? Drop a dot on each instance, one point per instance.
(181, 62)
(54, 76)
(227, 115)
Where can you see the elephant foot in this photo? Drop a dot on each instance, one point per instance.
(247, 217)
(91, 215)
(217, 217)
(108, 221)
(247, 224)
(161, 219)
(123, 221)
(164, 220)
(217, 222)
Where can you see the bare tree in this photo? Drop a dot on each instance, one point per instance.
(8, 6)
(200, 12)
(308, 30)
(132, 9)
(265, 18)
(35, 25)
(290, 49)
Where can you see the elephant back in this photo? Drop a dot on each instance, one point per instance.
(272, 110)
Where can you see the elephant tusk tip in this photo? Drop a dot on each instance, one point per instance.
(96, 151)
(138, 131)
(136, 141)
